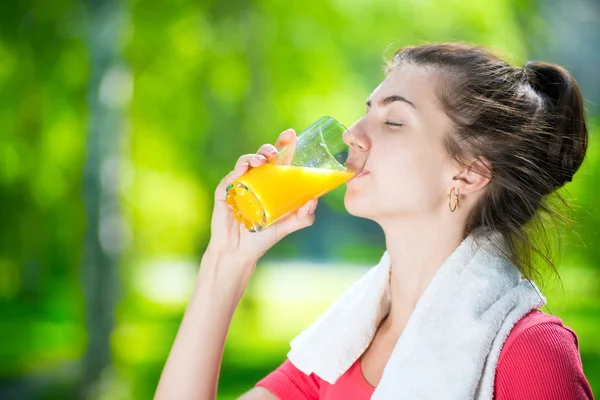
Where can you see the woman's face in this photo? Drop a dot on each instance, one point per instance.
(408, 170)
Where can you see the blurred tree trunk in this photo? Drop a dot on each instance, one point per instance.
(109, 92)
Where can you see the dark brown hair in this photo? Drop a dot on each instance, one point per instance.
(528, 122)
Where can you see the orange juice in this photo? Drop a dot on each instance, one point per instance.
(265, 194)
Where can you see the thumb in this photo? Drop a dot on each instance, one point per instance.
(221, 190)
(303, 218)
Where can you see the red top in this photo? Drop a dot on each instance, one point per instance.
(539, 360)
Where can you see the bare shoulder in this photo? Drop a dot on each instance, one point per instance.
(258, 393)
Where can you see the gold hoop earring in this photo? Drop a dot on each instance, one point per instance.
(456, 200)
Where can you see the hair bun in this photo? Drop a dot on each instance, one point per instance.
(565, 118)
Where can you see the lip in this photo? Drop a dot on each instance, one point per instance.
(360, 174)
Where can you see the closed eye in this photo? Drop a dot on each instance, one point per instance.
(390, 123)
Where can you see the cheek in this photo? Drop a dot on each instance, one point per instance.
(410, 177)
(405, 178)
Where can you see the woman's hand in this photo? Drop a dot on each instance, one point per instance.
(228, 236)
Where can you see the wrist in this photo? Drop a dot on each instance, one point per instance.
(217, 251)
(225, 274)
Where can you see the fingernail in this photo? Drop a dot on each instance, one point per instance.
(312, 208)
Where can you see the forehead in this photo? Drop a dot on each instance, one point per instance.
(417, 84)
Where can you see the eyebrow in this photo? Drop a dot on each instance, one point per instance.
(390, 99)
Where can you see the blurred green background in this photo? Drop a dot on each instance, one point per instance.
(119, 117)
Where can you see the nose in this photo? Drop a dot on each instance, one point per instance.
(359, 144)
(351, 141)
(356, 138)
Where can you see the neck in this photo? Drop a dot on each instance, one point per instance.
(417, 249)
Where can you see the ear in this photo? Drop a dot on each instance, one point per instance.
(474, 177)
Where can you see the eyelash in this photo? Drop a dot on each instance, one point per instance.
(395, 124)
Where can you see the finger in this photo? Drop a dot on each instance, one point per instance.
(308, 208)
(286, 137)
(286, 154)
(221, 190)
(286, 140)
(255, 160)
(245, 159)
(303, 218)
(267, 150)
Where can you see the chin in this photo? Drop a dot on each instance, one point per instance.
(357, 205)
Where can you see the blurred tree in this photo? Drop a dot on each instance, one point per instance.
(110, 90)
(43, 83)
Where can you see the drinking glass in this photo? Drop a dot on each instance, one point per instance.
(316, 163)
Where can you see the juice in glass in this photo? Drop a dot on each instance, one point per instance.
(269, 192)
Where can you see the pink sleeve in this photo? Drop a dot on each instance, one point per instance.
(289, 383)
(542, 362)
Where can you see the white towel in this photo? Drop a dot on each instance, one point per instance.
(451, 343)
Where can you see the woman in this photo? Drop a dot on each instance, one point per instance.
(461, 151)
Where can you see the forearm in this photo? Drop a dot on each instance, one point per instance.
(192, 368)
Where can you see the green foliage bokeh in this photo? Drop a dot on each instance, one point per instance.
(198, 84)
